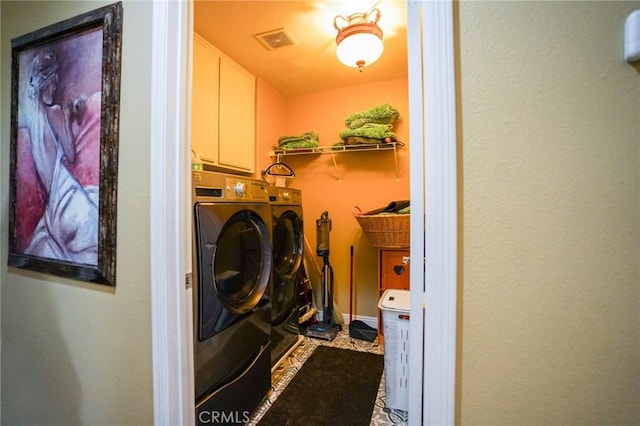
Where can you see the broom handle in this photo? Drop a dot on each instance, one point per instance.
(313, 260)
(318, 271)
(351, 285)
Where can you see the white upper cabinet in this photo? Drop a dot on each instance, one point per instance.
(205, 110)
(223, 110)
(236, 147)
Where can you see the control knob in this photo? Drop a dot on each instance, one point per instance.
(240, 188)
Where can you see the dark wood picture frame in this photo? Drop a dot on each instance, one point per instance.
(65, 102)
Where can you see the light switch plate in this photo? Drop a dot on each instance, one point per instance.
(632, 37)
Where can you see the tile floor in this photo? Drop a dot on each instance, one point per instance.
(288, 368)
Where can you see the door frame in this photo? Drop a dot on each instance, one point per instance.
(433, 240)
(170, 214)
(433, 169)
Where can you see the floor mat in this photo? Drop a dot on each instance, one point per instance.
(333, 387)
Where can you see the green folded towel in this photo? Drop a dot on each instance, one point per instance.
(370, 130)
(298, 144)
(305, 140)
(379, 114)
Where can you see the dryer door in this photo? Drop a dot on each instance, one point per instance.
(233, 265)
(288, 240)
(288, 243)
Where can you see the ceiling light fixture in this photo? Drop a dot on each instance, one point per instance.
(359, 38)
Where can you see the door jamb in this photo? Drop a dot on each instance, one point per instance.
(170, 219)
(433, 141)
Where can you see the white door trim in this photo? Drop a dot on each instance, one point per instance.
(433, 172)
(417, 193)
(432, 134)
(171, 324)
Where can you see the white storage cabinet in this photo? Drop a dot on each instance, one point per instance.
(223, 110)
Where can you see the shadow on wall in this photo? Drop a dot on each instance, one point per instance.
(39, 383)
(313, 269)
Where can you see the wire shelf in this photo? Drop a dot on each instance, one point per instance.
(337, 149)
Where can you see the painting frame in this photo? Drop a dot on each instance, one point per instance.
(64, 147)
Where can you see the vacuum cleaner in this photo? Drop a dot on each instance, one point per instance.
(324, 329)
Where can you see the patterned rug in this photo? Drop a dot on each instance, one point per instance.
(288, 368)
(334, 387)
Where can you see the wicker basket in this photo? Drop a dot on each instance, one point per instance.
(385, 230)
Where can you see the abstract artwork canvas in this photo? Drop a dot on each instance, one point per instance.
(64, 144)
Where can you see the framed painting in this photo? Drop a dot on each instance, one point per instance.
(65, 100)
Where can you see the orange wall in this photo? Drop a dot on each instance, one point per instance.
(367, 179)
(270, 121)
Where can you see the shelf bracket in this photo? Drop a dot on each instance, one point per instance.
(335, 166)
(395, 163)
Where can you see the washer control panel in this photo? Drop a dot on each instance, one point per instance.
(245, 189)
(290, 197)
(210, 186)
(285, 196)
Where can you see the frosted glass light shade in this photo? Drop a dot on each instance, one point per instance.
(360, 49)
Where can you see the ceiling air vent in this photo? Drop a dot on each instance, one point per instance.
(275, 39)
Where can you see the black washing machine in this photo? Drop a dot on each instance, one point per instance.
(232, 261)
(288, 245)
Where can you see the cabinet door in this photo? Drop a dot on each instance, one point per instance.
(236, 146)
(204, 111)
(388, 277)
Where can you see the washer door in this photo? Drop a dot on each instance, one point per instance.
(234, 265)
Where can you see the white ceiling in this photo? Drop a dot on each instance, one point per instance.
(311, 64)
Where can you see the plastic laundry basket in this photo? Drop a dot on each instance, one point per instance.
(394, 305)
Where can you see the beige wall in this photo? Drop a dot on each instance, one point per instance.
(72, 352)
(367, 179)
(549, 280)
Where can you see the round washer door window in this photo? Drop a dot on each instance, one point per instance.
(287, 244)
(242, 262)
